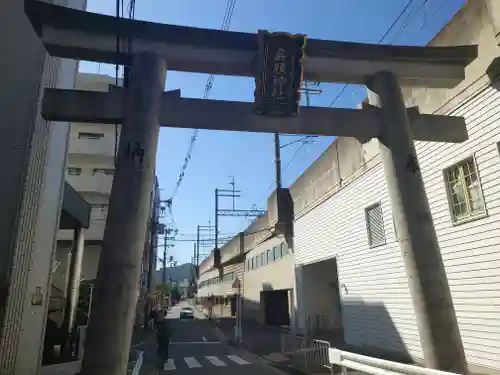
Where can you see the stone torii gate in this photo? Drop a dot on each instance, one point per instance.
(143, 106)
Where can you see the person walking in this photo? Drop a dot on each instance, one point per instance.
(154, 317)
(163, 337)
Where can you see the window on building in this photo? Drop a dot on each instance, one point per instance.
(253, 263)
(375, 225)
(269, 256)
(74, 171)
(88, 135)
(105, 171)
(277, 252)
(284, 249)
(262, 259)
(464, 191)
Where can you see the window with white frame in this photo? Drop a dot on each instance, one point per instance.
(375, 225)
(464, 190)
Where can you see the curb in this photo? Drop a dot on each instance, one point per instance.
(138, 365)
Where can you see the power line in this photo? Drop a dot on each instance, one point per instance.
(208, 87)
(339, 94)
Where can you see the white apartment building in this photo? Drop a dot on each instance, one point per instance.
(90, 168)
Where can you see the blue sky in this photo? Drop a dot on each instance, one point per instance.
(249, 157)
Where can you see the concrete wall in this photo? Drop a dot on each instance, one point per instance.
(276, 275)
(33, 152)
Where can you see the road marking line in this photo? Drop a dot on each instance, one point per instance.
(237, 360)
(192, 362)
(169, 365)
(215, 361)
(204, 338)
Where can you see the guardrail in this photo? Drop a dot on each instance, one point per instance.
(376, 366)
(306, 353)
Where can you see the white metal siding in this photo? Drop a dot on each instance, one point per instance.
(377, 309)
(376, 276)
(471, 251)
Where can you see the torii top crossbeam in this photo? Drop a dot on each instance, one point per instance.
(88, 36)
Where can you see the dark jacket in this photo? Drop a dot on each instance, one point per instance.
(163, 331)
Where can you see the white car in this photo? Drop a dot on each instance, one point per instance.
(186, 313)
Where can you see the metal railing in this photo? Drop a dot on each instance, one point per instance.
(376, 366)
(306, 353)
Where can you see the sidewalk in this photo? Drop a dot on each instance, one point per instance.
(264, 342)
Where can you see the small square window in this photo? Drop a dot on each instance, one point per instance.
(375, 225)
(464, 191)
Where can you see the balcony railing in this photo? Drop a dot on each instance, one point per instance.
(104, 146)
(87, 182)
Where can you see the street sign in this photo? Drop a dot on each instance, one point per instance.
(277, 84)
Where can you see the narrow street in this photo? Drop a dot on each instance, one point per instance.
(195, 347)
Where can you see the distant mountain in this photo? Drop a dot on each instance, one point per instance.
(179, 273)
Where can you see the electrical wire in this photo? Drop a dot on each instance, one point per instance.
(394, 23)
(344, 87)
(208, 88)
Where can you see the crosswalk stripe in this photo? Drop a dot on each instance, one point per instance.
(238, 360)
(192, 362)
(169, 365)
(215, 361)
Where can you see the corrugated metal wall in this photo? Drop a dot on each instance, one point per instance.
(377, 309)
(471, 250)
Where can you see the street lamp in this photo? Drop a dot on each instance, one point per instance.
(238, 333)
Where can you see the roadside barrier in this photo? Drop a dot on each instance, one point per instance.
(306, 353)
(376, 366)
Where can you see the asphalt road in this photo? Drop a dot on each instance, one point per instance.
(196, 349)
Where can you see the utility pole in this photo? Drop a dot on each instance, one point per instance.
(217, 218)
(436, 318)
(233, 193)
(164, 271)
(233, 184)
(277, 157)
(199, 230)
(110, 324)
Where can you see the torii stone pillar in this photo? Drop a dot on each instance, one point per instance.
(436, 318)
(110, 326)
